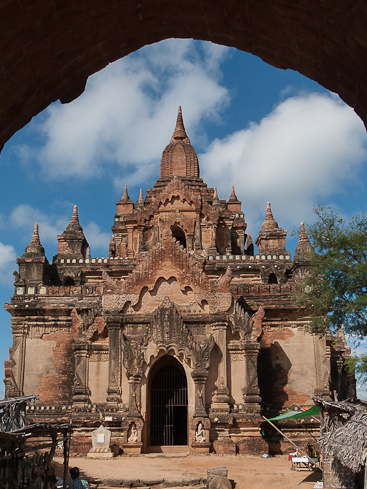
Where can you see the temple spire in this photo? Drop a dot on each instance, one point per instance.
(36, 237)
(304, 246)
(75, 217)
(179, 132)
(35, 244)
(269, 222)
(125, 196)
(233, 195)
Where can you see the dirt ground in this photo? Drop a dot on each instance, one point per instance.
(247, 471)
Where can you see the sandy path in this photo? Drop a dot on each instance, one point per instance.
(247, 471)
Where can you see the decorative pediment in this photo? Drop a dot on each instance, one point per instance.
(249, 327)
(168, 331)
(166, 260)
(175, 191)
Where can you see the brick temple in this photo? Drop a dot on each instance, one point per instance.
(183, 336)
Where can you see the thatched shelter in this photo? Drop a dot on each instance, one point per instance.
(344, 442)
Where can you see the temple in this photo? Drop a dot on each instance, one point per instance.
(183, 336)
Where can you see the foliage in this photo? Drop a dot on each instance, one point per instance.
(358, 364)
(336, 287)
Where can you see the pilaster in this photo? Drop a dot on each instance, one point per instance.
(199, 377)
(251, 391)
(114, 367)
(220, 401)
(81, 391)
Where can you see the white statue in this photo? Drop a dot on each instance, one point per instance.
(200, 433)
(133, 438)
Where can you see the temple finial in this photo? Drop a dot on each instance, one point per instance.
(35, 244)
(304, 246)
(215, 196)
(35, 237)
(75, 218)
(88, 253)
(233, 195)
(141, 198)
(125, 197)
(269, 222)
(303, 238)
(180, 132)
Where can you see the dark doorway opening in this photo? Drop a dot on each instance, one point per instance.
(168, 405)
(179, 235)
(272, 279)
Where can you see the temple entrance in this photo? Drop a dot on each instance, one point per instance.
(168, 404)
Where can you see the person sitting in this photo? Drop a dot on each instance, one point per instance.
(77, 482)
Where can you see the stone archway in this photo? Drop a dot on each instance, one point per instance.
(168, 404)
(49, 49)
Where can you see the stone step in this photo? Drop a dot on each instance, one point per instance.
(159, 486)
(149, 484)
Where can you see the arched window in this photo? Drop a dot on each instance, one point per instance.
(69, 281)
(272, 279)
(179, 235)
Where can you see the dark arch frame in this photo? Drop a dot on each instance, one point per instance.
(49, 49)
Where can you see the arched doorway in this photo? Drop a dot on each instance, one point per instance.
(179, 235)
(168, 403)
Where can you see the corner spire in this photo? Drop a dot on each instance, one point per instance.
(304, 246)
(269, 222)
(233, 195)
(35, 244)
(75, 217)
(179, 132)
(36, 237)
(74, 224)
(125, 197)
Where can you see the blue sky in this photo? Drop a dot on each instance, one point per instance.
(274, 134)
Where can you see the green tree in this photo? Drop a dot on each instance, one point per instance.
(335, 289)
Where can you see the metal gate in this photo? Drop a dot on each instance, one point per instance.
(168, 397)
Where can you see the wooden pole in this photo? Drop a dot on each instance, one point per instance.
(66, 456)
(286, 437)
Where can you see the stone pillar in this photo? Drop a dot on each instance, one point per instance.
(114, 367)
(189, 241)
(141, 246)
(229, 246)
(130, 247)
(197, 233)
(19, 332)
(199, 377)
(134, 396)
(221, 396)
(213, 246)
(81, 391)
(241, 240)
(251, 391)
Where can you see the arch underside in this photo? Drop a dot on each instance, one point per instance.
(49, 49)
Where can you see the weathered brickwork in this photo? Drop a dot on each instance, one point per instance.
(49, 49)
(182, 322)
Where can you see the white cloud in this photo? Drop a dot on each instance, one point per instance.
(50, 226)
(25, 216)
(7, 263)
(96, 238)
(127, 112)
(306, 149)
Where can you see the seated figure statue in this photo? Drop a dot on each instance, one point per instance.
(133, 438)
(200, 433)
